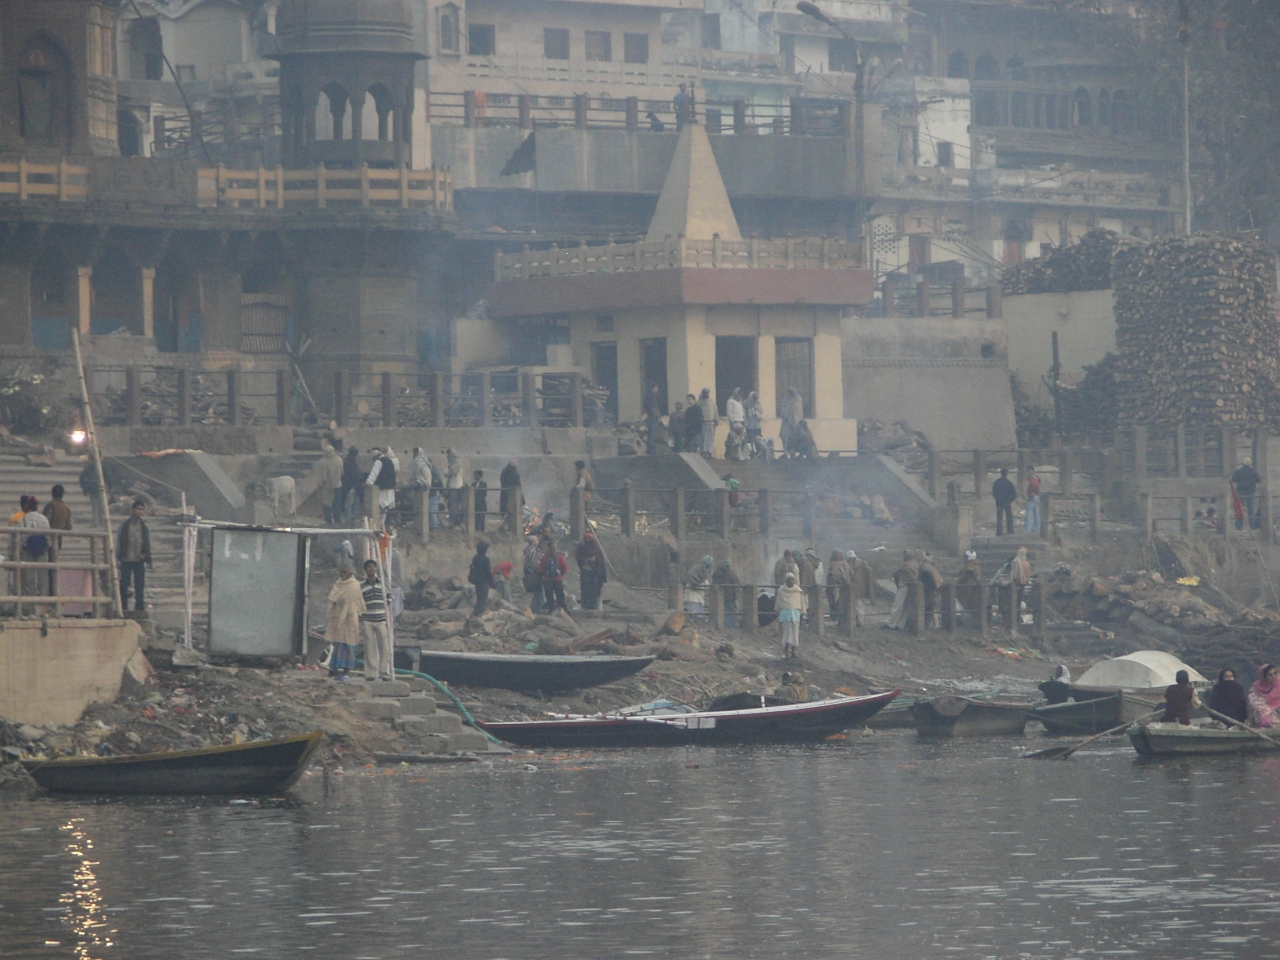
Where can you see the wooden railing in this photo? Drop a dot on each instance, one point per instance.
(61, 180)
(275, 187)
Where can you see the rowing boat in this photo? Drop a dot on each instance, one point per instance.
(1082, 718)
(963, 717)
(261, 767)
(1176, 740)
(529, 672)
(786, 723)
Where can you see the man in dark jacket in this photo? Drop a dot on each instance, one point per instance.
(133, 554)
(352, 482)
(481, 577)
(591, 570)
(509, 480)
(1003, 492)
(692, 425)
(1246, 480)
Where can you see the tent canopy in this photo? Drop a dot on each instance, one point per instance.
(1137, 671)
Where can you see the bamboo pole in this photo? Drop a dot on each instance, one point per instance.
(113, 574)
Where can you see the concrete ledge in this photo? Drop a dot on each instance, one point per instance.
(472, 741)
(377, 709)
(51, 670)
(418, 706)
(444, 723)
(388, 688)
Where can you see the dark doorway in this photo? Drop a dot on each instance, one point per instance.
(128, 134)
(604, 371)
(795, 369)
(735, 367)
(653, 367)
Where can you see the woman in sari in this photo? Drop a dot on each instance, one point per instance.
(342, 628)
(1264, 698)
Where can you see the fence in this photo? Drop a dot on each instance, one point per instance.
(62, 181)
(139, 396)
(31, 583)
(320, 188)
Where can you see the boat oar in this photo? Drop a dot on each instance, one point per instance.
(1243, 726)
(1061, 753)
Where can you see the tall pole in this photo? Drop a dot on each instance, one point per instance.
(91, 434)
(1184, 38)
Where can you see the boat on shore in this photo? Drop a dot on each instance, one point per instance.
(965, 717)
(1086, 717)
(261, 767)
(529, 672)
(785, 723)
(1177, 740)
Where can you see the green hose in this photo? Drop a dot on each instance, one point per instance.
(467, 718)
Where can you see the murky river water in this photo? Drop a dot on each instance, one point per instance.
(881, 847)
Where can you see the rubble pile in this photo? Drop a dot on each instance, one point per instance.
(1142, 598)
(1085, 265)
(906, 446)
(1198, 336)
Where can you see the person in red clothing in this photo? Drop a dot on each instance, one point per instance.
(552, 568)
(502, 579)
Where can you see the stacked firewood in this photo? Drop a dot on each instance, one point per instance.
(1198, 336)
(1085, 265)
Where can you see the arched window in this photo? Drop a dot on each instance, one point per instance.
(450, 29)
(128, 134)
(1104, 108)
(146, 56)
(335, 99)
(1084, 108)
(958, 65)
(986, 68)
(44, 94)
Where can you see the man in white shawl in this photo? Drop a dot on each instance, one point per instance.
(342, 624)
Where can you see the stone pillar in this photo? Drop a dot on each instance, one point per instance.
(724, 514)
(715, 594)
(1228, 441)
(764, 505)
(947, 598)
(915, 608)
(438, 399)
(149, 302)
(1180, 450)
(1260, 464)
(233, 397)
(1046, 516)
(886, 295)
(767, 375)
(1012, 607)
(575, 398)
(1188, 516)
(1066, 472)
(979, 474)
(486, 400)
(922, 298)
(283, 389)
(980, 615)
(389, 400)
(84, 300)
(957, 299)
(628, 518)
(577, 514)
(848, 613)
(420, 504)
(1039, 610)
(529, 391)
(677, 514)
(935, 473)
(995, 302)
(184, 398)
(469, 511)
(817, 610)
(1095, 516)
(1146, 506)
(515, 510)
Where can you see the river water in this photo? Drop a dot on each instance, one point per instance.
(879, 846)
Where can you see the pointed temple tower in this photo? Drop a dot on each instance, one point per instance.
(694, 305)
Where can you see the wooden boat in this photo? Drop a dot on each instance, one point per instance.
(527, 672)
(896, 716)
(963, 717)
(268, 766)
(788, 723)
(1082, 718)
(1176, 740)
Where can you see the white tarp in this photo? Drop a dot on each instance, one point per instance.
(1137, 671)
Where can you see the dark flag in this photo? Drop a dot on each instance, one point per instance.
(524, 159)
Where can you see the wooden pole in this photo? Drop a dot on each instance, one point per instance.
(113, 574)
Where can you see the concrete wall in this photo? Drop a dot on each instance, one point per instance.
(1086, 326)
(50, 679)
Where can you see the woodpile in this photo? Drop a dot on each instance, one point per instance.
(1089, 408)
(1197, 332)
(1085, 265)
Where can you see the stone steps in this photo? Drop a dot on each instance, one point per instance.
(409, 706)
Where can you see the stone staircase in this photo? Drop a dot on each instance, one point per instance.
(409, 706)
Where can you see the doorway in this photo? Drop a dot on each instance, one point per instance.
(604, 371)
(795, 369)
(653, 368)
(735, 367)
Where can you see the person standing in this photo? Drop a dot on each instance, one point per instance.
(1003, 492)
(710, 417)
(692, 425)
(454, 482)
(753, 410)
(592, 572)
(35, 548)
(419, 471)
(329, 483)
(675, 427)
(58, 514)
(383, 476)
(682, 104)
(90, 487)
(723, 579)
(695, 586)
(509, 481)
(1245, 480)
(582, 481)
(482, 497)
(352, 482)
(342, 623)
(133, 555)
(379, 658)
(480, 576)
(931, 583)
(1031, 523)
(839, 580)
(529, 578)
(791, 604)
(734, 411)
(552, 567)
(792, 414)
(653, 414)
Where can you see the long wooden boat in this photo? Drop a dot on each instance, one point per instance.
(1085, 717)
(528, 672)
(789, 723)
(963, 717)
(268, 766)
(1176, 740)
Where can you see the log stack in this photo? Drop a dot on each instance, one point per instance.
(1085, 265)
(1197, 332)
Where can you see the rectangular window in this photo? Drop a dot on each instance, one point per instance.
(481, 39)
(946, 157)
(599, 45)
(635, 47)
(555, 43)
(711, 31)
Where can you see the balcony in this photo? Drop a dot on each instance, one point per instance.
(512, 69)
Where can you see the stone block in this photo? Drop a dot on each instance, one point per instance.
(388, 688)
(417, 684)
(468, 740)
(443, 723)
(420, 728)
(417, 706)
(381, 709)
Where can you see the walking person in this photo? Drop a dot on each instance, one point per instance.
(480, 576)
(1003, 492)
(482, 497)
(342, 623)
(552, 566)
(710, 417)
(329, 483)
(791, 605)
(383, 476)
(592, 572)
(529, 578)
(1031, 523)
(379, 658)
(352, 483)
(133, 556)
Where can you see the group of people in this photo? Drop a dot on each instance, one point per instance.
(1258, 705)
(545, 567)
(357, 617)
(691, 426)
(1005, 494)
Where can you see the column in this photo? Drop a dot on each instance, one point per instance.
(84, 299)
(766, 376)
(149, 302)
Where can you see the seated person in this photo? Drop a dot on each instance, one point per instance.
(1179, 699)
(1228, 697)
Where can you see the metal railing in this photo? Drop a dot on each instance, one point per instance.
(321, 187)
(32, 585)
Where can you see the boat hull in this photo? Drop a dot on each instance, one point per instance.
(792, 723)
(269, 767)
(1084, 718)
(962, 717)
(549, 674)
(1175, 740)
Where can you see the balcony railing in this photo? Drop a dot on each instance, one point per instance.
(60, 181)
(319, 187)
(809, 253)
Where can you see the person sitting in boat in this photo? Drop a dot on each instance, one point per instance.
(1179, 700)
(793, 687)
(1228, 697)
(1264, 698)
(1057, 689)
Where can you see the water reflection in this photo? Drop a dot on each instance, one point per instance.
(882, 847)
